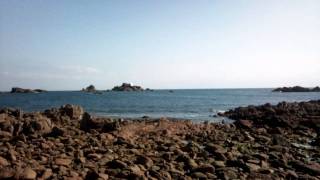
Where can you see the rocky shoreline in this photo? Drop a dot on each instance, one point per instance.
(265, 142)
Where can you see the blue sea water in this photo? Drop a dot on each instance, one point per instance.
(194, 104)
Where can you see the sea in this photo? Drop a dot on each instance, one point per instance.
(194, 104)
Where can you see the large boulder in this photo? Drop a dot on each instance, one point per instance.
(65, 113)
(36, 123)
(100, 124)
(73, 111)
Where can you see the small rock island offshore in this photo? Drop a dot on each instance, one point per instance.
(297, 89)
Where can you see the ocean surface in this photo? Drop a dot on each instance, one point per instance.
(198, 105)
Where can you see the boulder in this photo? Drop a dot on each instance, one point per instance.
(101, 124)
(73, 111)
(36, 124)
(64, 114)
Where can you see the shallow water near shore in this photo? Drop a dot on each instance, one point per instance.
(197, 105)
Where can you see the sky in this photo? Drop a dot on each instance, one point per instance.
(68, 45)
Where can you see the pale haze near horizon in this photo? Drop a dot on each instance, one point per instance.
(67, 45)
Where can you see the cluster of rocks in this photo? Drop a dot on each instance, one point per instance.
(68, 143)
(297, 89)
(127, 87)
(286, 115)
(21, 90)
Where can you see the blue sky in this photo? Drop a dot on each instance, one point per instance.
(67, 45)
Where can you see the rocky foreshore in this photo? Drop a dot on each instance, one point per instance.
(265, 142)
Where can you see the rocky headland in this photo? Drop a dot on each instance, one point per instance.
(265, 142)
(22, 90)
(297, 89)
(127, 87)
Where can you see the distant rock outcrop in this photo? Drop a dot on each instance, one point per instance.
(21, 90)
(281, 115)
(90, 88)
(127, 87)
(297, 89)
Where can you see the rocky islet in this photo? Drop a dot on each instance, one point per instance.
(127, 87)
(68, 143)
(22, 90)
(297, 89)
